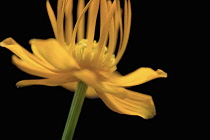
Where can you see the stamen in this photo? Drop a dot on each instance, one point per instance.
(80, 54)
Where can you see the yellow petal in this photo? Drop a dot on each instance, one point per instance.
(68, 21)
(133, 103)
(90, 93)
(30, 69)
(92, 79)
(107, 76)
(81, 27)
(73, 36)
(92, 16)
(52, 18)
(52, 52)
(46, 82)
(105, 29)
(60, 80)
(127, 25)
(137, 77)
(60, 19)
(25, 55)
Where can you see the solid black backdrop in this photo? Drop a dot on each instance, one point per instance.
(39, 112)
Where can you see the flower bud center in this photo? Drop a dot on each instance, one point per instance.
(93, 59)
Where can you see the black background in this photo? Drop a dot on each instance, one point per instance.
(39, 112)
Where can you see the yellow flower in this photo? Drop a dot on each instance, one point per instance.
(75, 56)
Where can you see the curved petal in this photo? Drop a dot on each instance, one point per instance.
(52, 18)
(25, 55)
(138, 77)
(133, 103)
(41, 71)
(90, 93)
(91, 79)
(107, 76)
(55, 81)
(51, 51)
(81, 26)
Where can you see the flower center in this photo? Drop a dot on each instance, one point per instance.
(94, 59)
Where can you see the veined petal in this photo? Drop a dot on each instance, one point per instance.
(51, 51)
(30, 69)
(133, 103)
(137, 77)
(90, 93)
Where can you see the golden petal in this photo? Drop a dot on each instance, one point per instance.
(52, 52)
(87, 76)
(55, 81)
(90, 93)
(30, 69)
(60, 20)
(92, 16)
(93, 80)
(103, 13)
(91, 25)
(46, 82)
(133, 103)
(25, 55)
(105, 28)
(127, 25)
(75, 30)
(81, 27)
(105, 76)
(137, 77)
(52, 18)
(112, 39)
(68, 21)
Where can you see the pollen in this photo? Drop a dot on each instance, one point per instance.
(91, 59)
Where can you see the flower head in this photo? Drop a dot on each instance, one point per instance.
(75, 56)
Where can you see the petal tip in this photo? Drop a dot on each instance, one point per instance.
(162, 73)
(150, 115)
(19, 84)
(151, 111)
(6, 42)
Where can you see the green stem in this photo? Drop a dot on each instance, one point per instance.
(75, 110)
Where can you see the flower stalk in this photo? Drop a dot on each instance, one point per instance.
(75, 110)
